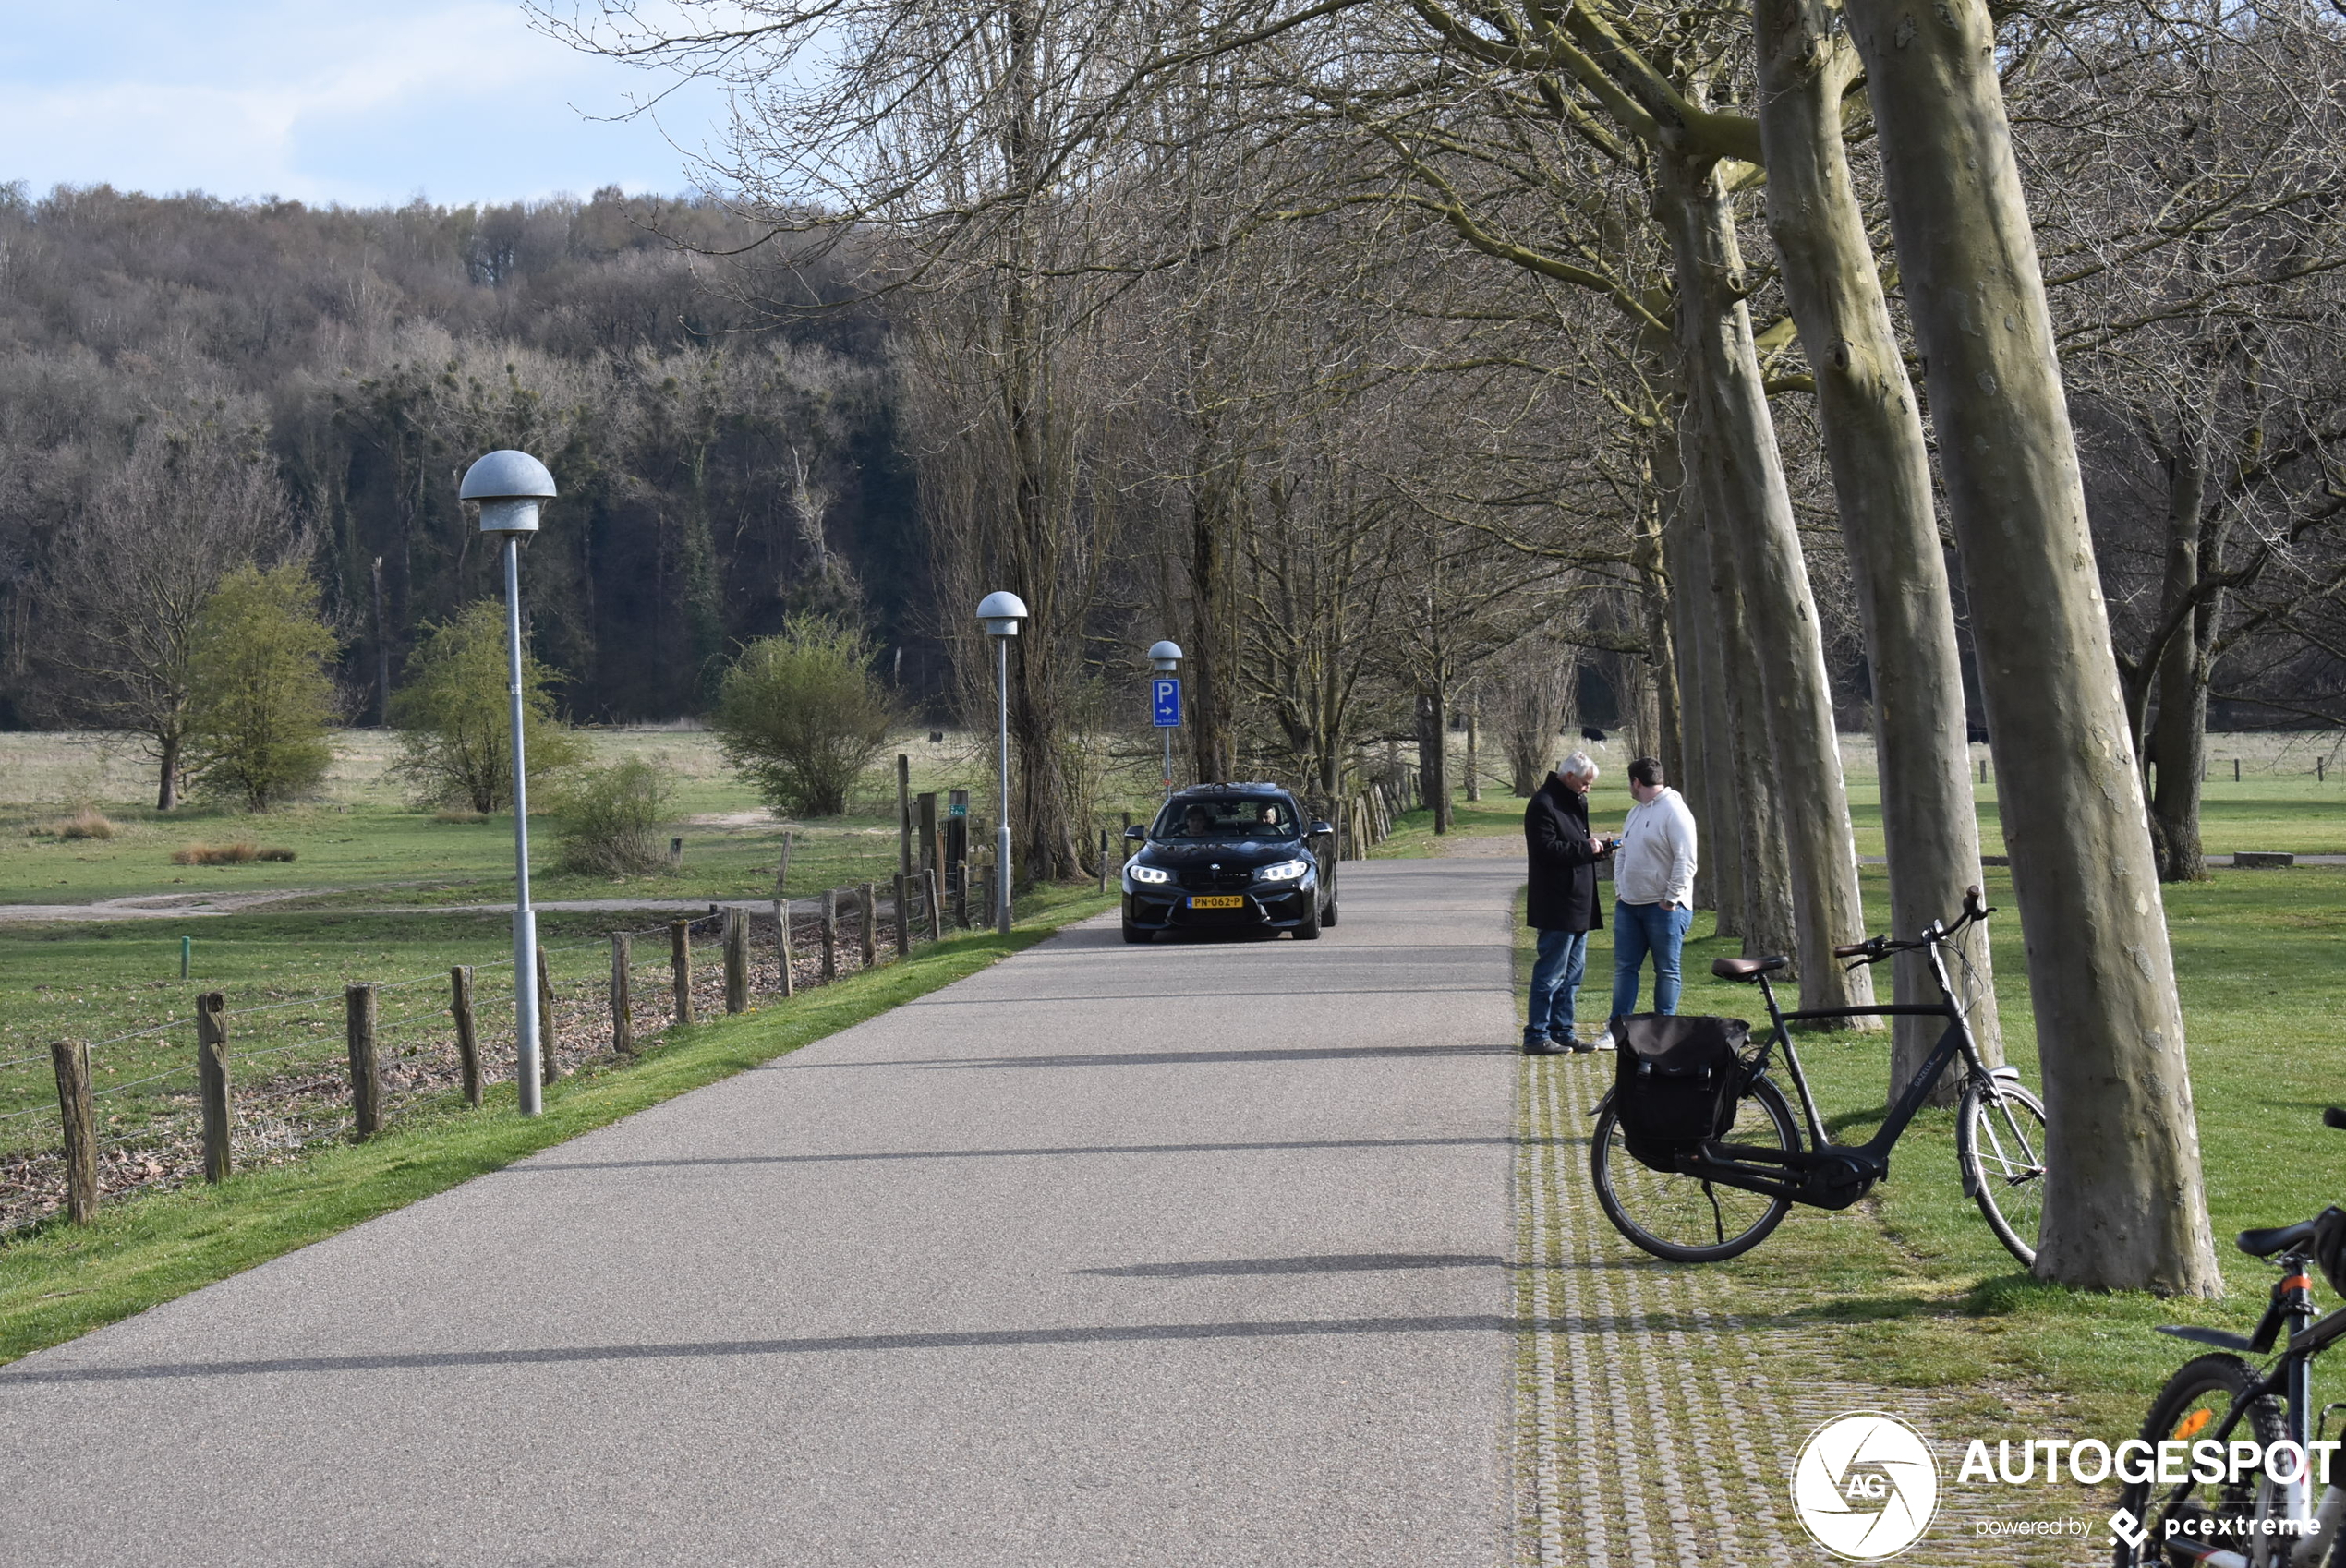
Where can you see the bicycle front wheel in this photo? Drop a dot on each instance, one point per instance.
(1684, 1218)
(2224, 1514)
(2000, 1141)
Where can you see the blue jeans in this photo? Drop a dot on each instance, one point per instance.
(1556, 982)
(1640, 929)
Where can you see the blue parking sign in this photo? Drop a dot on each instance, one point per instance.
(1166, 702)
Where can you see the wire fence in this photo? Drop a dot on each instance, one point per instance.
(292, 1082)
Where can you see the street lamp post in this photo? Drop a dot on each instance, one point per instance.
(1000, 613)
(1165, 661)
(510, 486)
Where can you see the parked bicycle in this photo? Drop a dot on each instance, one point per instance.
(2233, 1509)
(1695, 1155)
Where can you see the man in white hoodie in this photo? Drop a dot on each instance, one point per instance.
(1652, 884)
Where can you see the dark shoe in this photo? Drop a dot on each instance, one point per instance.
(1547, 1047)
(1567, 1041)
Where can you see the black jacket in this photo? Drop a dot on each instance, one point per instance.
(1564, 869)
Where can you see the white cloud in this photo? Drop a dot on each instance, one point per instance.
(369, 103)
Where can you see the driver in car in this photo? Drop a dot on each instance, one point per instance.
(1197, 823)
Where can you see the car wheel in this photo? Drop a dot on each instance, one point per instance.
(1328, 916)
(1134, 934)
(1307, 929)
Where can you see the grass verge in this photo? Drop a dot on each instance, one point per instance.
(58, 1281)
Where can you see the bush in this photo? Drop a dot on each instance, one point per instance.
(801, 715)
(262, 700)
(611, 816)
(454, 719)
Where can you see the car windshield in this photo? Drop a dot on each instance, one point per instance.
(1233, 816)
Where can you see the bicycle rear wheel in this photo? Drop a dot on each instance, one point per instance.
(1684, 1218)
(2000, 1143)
(2202, 1513)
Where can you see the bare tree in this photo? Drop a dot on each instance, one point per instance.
(191, 503)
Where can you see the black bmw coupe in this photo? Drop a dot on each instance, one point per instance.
(1228, 857)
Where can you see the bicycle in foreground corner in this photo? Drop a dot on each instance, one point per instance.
(1696, 1156)
(2235, 1468)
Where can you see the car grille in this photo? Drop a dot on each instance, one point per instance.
(1202, 881)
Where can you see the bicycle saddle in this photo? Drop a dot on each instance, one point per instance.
(2265, 1243)
(1746, 969)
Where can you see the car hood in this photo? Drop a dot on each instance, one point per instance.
(1232, 854)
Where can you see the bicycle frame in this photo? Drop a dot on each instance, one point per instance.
(1825, 1175)
(2291, 1315)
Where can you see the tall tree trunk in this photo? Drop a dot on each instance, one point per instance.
(1873, 440)
(167, 772)
(1730, 668)
(1212, 653)
(2124, 1208)
(1709, 784)
(2178, 739)
(1655, 591)
(1787, 645)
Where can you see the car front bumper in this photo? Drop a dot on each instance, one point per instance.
(1267, 908)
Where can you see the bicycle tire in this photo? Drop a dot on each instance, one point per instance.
(2000, 1146)
(1669, 1210)
(2195, 1400)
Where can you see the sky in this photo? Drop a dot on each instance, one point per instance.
(361, 102)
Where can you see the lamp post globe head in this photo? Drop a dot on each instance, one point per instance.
(510, 486)
(1000, 613)
(1164, 657)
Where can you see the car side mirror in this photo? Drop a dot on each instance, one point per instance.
(1319, 830)
(1133, 835)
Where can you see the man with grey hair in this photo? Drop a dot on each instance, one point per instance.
(1561, 903)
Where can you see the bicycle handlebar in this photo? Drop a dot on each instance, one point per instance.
(1873, 950)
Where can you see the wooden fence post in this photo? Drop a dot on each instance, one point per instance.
(903, 915)
(212, 1081)
(782, 872)
(903, 815)
(549, 1068)
(1103, 859)
(736, 962)
(935, 888)
(962, 897)
(358, 1009)
(870, 939)
(460, 1003)
(623, 996)
(830, 934)
(679, 967)
(925, 823)
(781, 944)
(74, 1115)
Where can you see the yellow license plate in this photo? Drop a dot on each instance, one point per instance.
(1216, 901)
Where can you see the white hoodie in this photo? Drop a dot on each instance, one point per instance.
(1655, 861)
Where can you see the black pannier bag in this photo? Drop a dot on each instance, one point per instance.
(1675, 1083)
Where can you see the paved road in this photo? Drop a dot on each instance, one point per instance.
(1188, 1255)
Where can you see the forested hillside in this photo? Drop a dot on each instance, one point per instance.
(725, 454)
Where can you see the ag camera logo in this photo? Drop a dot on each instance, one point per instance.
(1865, 1485)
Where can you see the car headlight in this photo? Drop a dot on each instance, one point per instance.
(1149, 874)
(1286, 870)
